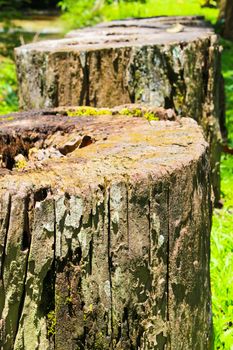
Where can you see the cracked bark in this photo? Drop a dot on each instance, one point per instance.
(108, 246)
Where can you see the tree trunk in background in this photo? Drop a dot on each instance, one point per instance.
(228, 18)
(222, 6)
(104, 231)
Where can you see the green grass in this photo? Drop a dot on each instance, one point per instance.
(8, 86)
(82, 12)
(222, 263)
(227, 69)
(158, 8)
(222, 230)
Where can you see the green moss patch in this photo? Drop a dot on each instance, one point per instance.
(87, 112)
(7, 119)
(51, 323)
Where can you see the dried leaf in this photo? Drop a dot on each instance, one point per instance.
(176, 28)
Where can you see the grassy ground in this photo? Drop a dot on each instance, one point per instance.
(159, 8)
(221, 241)
(81, 13)
(8, 86)
(222, 230)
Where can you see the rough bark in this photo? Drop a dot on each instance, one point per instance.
(226, 14)
(147, 60)
(222, 6)
(105, 239)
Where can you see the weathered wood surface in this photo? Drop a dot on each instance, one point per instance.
(150, 25)
(104, 232)
(146, 60)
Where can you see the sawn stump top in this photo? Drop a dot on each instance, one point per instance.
(131, 32)
(67, 148)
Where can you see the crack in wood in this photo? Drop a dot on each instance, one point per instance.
(6, 224)
(27, 238)
(110, 263)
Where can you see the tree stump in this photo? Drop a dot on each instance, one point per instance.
(104, 231)
(154, 61)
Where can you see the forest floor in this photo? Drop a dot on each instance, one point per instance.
(222, 229)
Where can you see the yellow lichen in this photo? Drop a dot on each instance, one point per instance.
(179, 101)
(51, 323)
(20, 162)
(88, 111)
(88, 312)
(7, 119)
(131, 112)
(68, 300)
(137, 112)
(126, 111)
(100, 338)
(151, 116)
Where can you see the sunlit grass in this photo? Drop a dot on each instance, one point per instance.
(158, 8)
(82, 12)
(8, 86)
(222, 231)
(222, 277)
(227, 69)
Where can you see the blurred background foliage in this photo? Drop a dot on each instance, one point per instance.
(84, 12)
(79, 13)
(16, 14)
(8, 86)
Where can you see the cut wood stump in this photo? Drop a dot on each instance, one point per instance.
(166, 62)
(104, 231)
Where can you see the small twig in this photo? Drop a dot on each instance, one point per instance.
(36, 37)
(21, 39)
